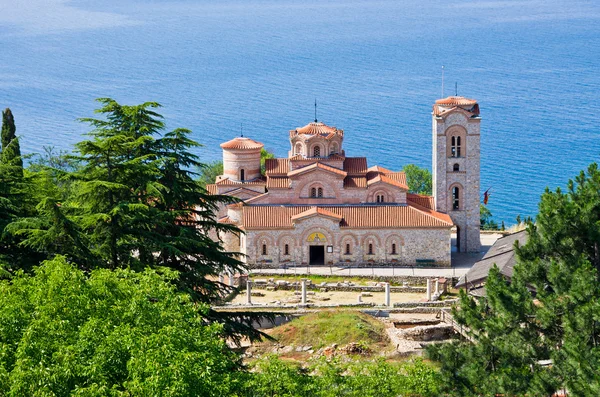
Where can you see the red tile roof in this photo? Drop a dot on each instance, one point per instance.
(452, 103)
(317, 165)
(355, 165)
(317, 128)
(278, 182)
(242, 143)
(357, 217)
(236, 192)
(456, 101)
(422, 200)
(211, 189)
(355, 181)
(277, 166)
(229, 182)
(316, 211)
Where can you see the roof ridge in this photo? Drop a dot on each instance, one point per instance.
(428, 212)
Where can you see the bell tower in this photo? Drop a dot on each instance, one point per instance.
(456, 166)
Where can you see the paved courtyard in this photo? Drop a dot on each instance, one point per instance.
(461, 263)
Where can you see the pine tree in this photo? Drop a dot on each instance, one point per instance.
(550, 309)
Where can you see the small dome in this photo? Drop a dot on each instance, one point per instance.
(242, 143)
(316, 128)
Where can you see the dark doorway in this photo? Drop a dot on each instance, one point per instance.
(456, 241)
(317, 255)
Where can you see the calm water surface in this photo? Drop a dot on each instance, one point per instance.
(374, 67)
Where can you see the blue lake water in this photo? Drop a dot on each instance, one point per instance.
(373, 66)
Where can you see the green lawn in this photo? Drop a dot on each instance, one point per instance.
(325, 328)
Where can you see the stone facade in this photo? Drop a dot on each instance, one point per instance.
(318, 206)
(456, 165)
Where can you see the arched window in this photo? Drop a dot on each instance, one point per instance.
(394, 249)
(347, 249)
(264, 249)
(286, 250)
(313, 192)
(456, 168)
(242, 175)
(370, 249)
(320, 192)
(298, 149)
(334, 148)
(455, 143)
(455, 198)
(317, 151)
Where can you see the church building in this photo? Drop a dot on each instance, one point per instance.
(318, 206)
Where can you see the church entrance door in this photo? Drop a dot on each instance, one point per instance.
(317, 255)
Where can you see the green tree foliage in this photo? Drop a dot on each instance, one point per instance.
(418, 179)
(11, 150)
(264, 156)
(107, 333)
(550, 309)
(208, 173)
(274, 377)
(486, 218)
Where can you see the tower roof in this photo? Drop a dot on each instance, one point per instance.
(445, 105)
(317, 128)
(242, 143)
(456, 101)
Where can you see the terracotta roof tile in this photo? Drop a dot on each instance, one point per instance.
(229, 182)
(315, 166)
(277, 166)
(242, 143)
(357, 217)
(211, 189)
(317, 128)
(227, 220)
(456, 101)
(376, 177)
(422, 200)
(355, 181)
(355, 165)
(452, 103)
(316, 211)
(278, 182)
(235, 192)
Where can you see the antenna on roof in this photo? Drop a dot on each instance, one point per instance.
(456, 88)
(315, 110)
(242, 129)
(442, 81)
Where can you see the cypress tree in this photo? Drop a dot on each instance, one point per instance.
(11, 150)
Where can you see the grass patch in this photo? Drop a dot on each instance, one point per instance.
(325, 328)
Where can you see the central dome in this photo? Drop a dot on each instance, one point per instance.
(316, 128)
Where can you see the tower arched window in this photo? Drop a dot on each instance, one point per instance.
(455, 198)
(286, 249)
(456, 168)
(242, 175)
(394, 249)
(370, 249)
(317, 151)
(320, 192)
(334, 148)
(456, 146)
(298, 149)
(264, 249)
(347, 249)
(313, 192)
